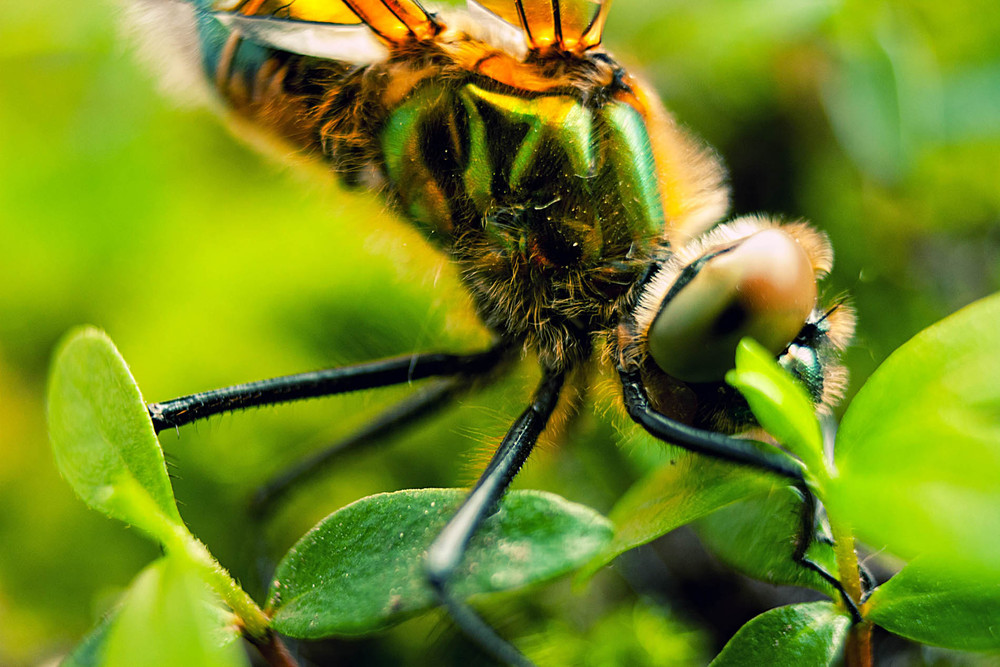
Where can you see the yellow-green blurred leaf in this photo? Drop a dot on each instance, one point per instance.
(102, 436)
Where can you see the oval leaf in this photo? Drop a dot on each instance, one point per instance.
(168, 618)
(801, 634)
(779, 403)
(687, 488)
(362, 567)
(102, 436)
(90, 651)
(918, 451)
(757, 536)
(862, 101)
(928, 603)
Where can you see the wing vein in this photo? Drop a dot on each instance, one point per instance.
(524, 21)
(557, 25)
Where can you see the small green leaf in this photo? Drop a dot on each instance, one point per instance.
(801, 634)
(106, 448)
(90, 651)
(170, 618)
(362, 567)
(929, 603)
(918, 451)
(757, 536)
(687, 488)
(779, 403)
(102, 436)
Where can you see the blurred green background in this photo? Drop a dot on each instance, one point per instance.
(209, 264)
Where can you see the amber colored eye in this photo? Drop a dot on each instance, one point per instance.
(764, 287)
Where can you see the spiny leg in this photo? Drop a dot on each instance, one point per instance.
(738, 451)
(333, 381)
(316, 384)
(449, 547)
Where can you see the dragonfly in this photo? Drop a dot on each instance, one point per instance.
(589, 229)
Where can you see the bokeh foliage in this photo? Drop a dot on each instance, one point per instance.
(209, 264)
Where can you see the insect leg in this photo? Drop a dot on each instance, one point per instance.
(426, 402)
(807, 533)
(697, 440)
(446, 552)
(738, 451)
(368, 375)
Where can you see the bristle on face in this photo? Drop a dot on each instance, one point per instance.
(838, 331)
(746, 244)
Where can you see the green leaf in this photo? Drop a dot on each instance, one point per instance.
(90, 651)
(801, 634)
(862, 100)
(362, 567)
(929, 603)
(170, 618)
(918, 451)
(102, 436)
(757, 537)
(779, 403)
(687, 488)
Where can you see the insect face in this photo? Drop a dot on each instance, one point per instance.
(752, 277)
(761, 286)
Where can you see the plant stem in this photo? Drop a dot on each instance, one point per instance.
(255, 623)
(274, 651)
(858, 652)
(859, 640)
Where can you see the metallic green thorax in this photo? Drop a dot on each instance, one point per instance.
(561, 183)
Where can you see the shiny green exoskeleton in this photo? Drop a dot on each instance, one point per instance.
(557, 181)
(528, 191)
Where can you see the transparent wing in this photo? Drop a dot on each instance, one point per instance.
(567, 26)
(346, 43)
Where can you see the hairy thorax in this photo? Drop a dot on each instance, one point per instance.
(546, 187)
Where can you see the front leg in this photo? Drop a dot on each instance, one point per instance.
(316, 384)
(446, 551)
(740, 452)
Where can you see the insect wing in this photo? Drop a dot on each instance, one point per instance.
(395, 20)
(570, 26)
(392, 21)
(318, 11)
(347, 43)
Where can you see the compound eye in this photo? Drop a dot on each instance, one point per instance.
(764, 287)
